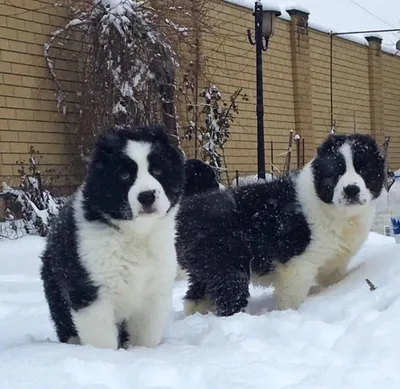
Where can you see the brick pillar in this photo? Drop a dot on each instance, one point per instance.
(375, 86)
(300, 47)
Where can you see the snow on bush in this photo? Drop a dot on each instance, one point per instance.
(37, 205)
(210, 122)
(128, 65)
(38, 208)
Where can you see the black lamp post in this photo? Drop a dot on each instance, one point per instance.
(264, 28)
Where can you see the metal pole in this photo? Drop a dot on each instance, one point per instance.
(365, 31)
(385, 154)
(331, 77)
(272, 158)
(289, 153)
(196, 95)
(260, 97)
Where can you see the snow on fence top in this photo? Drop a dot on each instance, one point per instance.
(250, 180)
(250, 4)
(360, 39)
(119, 7)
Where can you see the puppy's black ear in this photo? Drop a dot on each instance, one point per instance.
(326, 144)
(108, 142)
(331, 143)
(160, 133)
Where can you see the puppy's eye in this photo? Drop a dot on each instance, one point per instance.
(125, 176)
(157, 172)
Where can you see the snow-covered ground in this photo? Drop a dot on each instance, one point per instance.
(345, 337)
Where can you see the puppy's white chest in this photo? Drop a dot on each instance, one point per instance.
(121, 270)
(344, 236)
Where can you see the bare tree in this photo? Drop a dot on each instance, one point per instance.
(127, 65)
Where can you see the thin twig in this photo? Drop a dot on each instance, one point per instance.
(372, 287)
(49, 61)
(289, 152)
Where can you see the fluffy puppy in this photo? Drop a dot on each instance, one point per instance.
(289, 232)
(110, 260)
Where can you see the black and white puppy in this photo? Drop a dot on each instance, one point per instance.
(289, 232)
(110, 260)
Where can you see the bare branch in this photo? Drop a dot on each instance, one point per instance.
(372, 287)
(50, 64)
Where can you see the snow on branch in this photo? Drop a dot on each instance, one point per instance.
(213, 131)
(61, 103)
(127, 63)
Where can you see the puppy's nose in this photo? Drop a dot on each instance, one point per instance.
(147, 198)
(351, 191)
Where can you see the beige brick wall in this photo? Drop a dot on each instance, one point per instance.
(320, 83)
(231, 64)
(391, 106)
(28, 112)
(351, 97)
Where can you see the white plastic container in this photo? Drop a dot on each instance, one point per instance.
(381, 223)
(394, 206)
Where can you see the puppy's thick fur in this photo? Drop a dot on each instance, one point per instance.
(110, 260)
(200, 178)
(288, 232)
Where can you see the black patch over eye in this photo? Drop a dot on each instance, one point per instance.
(156, 171)
(364, 164)
(158, 162)
(327, 170)
(369, 163)
(125, 176)
(333, 166)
